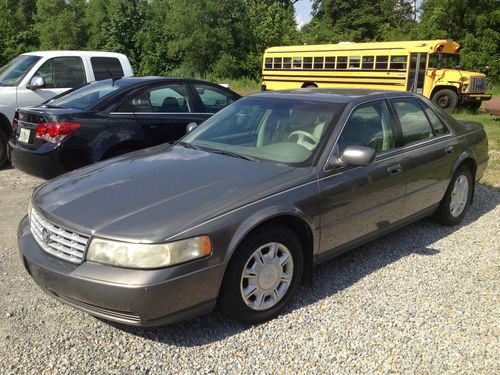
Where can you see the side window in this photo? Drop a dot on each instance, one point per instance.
(212, 99)
(269, 63)
(414, 123)
(106, 67)
(307, 63)
(354, 62)
(342, 62)
(165, 99)
(277, 62)
(368, 62)
(330, 63)
(63, 72)
(318, 62)
(370, 126)
(382, 62)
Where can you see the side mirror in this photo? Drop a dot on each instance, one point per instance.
(355, 156)
(191, 126)
(37, 83)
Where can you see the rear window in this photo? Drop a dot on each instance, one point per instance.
(87, 95)
(106, 67)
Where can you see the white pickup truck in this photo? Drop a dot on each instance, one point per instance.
(32, 78)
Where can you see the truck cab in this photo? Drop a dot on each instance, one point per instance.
(33, 78)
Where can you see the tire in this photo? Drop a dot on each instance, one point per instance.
(446, 213)
(474, 106)
(3, 149)
(445, 99)
(310, 86)
(269, 283)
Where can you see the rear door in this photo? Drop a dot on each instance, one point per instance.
(164, 111)
(356, 201)
(429, 153)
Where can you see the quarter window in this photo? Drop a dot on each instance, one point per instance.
(165, 99)
(318, 62)
(382, 62)
(414, 123)
(212, 99)
(63, 72)
(437, 124)
(106, 67)
(369, 126)
(330, 63)
(342, 62)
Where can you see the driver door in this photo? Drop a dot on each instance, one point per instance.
(357, 201)
(60, 75)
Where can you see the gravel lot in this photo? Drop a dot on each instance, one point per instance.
(422, 300)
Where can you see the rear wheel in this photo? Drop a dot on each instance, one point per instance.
(263, 274)
(445, 99)
(457, 198)
(3, 149)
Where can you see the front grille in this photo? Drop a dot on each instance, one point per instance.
(58, 241)
(477, 84)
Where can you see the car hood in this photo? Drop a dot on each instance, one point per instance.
(153, 194)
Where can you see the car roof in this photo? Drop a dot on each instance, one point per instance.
(330, 95)
(74, 53)
(134, 80)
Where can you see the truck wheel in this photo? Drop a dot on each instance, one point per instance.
(474, 106)
(445, 99)
(3, 149)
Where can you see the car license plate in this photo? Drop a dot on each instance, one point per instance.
(24, 135)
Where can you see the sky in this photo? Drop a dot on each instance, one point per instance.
(303, 12)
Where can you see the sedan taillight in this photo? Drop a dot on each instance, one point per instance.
(56, 132)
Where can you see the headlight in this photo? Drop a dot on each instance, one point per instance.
(131, 255)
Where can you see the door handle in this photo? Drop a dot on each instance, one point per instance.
(449, 150)
(395, 169)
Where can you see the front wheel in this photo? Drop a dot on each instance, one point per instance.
(474, 106)
(457, 198)
(3, 149)
(446, 99)
(262, 275)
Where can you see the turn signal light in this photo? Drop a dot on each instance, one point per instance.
(56, 132)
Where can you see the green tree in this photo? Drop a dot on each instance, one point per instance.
(96, 20)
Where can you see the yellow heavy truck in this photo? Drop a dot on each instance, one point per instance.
(428, 67)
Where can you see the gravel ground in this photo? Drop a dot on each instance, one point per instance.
(422, 300)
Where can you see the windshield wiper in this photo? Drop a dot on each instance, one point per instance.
(233, 154)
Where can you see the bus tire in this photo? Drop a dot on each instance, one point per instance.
(445, 99)
(309, 85)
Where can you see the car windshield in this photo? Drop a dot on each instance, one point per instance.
(85, 96)
(279, 130)
(14, 71)
(444, 60)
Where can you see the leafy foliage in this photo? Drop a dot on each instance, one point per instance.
(226, 38)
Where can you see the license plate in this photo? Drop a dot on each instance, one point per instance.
(24, 135)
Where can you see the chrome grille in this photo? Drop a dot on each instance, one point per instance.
(477, 84)
(58, 242)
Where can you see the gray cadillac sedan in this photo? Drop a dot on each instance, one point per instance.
(239, 211)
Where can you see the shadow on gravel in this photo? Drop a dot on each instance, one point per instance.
(330, 277)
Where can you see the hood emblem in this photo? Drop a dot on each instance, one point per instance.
(46, 236)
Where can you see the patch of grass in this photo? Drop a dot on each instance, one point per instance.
(243, 86)
(492, 127)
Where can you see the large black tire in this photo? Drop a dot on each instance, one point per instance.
(446, 99)
(444, 214)
(231, 297)
(3, 149)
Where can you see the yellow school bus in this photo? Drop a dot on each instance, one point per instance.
(427, 67)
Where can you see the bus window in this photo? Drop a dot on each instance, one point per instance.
(269, 63)
(368, 62)
(398, 62)
(342, 62)
(382, 62)
(297, 62)
(330, 62)
(308, 63)
(277, 62)
(354, 62)
(318, 62)
(287, 63)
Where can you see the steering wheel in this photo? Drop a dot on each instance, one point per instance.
(305, 139)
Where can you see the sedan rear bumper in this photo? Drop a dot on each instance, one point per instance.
(100, 290)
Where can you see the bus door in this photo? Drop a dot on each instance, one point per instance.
(416, 72)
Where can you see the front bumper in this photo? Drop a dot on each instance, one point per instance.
(468, 98)
(121, 295)
(44, 162)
